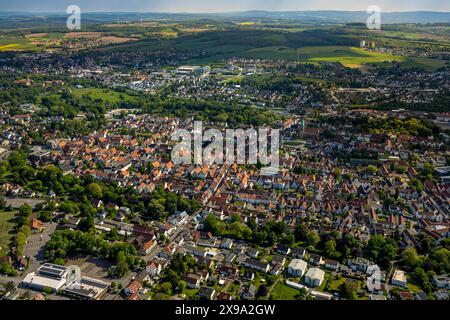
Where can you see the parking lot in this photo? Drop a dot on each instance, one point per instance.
(34, 249)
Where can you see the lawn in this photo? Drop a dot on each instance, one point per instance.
(7, 224)
(334, 285)
(190, 293)
(106, 95)
(283, 292)
(325, 282)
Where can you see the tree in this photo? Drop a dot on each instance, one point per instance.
(10, 286)
(262, 291)
(166, 287)
(181, 285)
(47, 290)
(421, 278)
(301, 232)
(95, 190)
(25, 230)
(330, 249)
(410, 258)
(25, 210)
(3, 203)
(349, 289)
(303, 294)
(121, 264)
(161, 296)
(155, 209)
(372, 169)
(313, 238)
(382, 249)
(7, 269)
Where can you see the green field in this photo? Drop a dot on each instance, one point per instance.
(283, 292)
(106, 95)
(347, 56)
(7, 224)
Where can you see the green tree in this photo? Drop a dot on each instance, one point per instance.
(410, 258)
(95, 190)
(313, 237)
(121, 264)
(301, 232)
(349, 289)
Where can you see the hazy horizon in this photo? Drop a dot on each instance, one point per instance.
(219, 6)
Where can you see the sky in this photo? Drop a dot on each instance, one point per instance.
(221, 5)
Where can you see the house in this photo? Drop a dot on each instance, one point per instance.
(20, 264)
(256, 265)
(276, 269)
(421, 296)
(207, 293)
(331, 264)
(359, 264)
(97, 203)
(223, 296)
(148, 246)
(143, 277)
(297, 268)
(193, 281)
(132, 288)
(102, 214)
(399, 278)
(406, 296)
(144, 245)
(37, 225)
(278, 259)
(283, 249)
(377, 297)
(253, 253)
(248, 275)
(314, 277)
(228, 270)
(442, 281)
(249, 292)
(316, 259)
(154, 268)
(178, 219)
(298, 253)
(120, 217)
(226, 244)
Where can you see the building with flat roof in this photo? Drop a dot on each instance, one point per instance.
(52, 276)
(399, 278)
(88, 288)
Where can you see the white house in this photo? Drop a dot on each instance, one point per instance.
(314, 277)
(154, 268)
(297, 268)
